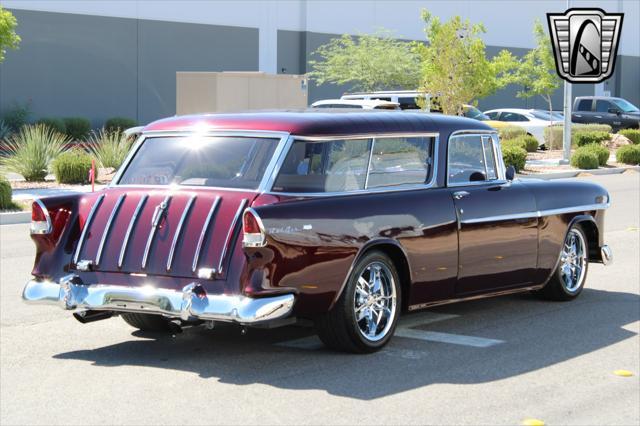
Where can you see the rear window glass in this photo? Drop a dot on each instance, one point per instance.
(584, 105)
(226, 162)
(341, 165)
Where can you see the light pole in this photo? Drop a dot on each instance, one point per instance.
(566, 131)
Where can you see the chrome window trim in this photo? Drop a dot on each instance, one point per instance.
(395, 188)
(480, 133)
(264, 182)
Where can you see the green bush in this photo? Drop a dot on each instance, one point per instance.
(601, 152)
(514, 156)
(77, 127)
(511, 132)
(632, 134)
(56, 124)
(557, 133)
(582, 138)
(5, 130)
(109, 148)
(72, 166)
(584, 159)
(526, 142)
(5, 194)
(31, 150)
(17, 116)
(119, 124)
(628, 154)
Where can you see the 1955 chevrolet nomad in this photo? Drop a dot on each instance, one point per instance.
(345, 219)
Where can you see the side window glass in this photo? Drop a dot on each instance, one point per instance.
(492, 115)
(332, 166)
(511, 116)
(400, 161)
(602, 106)
(584, 105)
(471, 159)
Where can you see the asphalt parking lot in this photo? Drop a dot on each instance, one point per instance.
(495, 361)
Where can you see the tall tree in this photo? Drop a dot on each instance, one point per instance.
(536, 72)
(8, 37)
(455, 68)
(368, 62)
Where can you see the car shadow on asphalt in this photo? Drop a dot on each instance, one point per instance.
(536, 335)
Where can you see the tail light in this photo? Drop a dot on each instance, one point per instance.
(253, 230)
(40, 219)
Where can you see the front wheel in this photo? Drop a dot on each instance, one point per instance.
(365, 317)
(568, 279)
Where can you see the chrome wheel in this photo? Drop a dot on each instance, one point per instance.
(375, 301)
(573, 261)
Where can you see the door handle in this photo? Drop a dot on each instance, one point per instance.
(458, 195)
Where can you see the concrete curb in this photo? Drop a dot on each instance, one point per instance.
(574, 173)
(12, 218)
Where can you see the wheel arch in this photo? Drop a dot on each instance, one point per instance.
(398, 256)
(591, 231)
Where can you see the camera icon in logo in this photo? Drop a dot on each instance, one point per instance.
(585, 43)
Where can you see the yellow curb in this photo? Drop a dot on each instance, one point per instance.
(633, 228)
(623, 373)
(532, 422)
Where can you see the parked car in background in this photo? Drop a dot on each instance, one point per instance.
(616, 112)
(356, 104)
(344, 219)
(533, 121)
(472, 112)
(406, 99)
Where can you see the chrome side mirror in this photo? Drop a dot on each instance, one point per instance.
(510, 173)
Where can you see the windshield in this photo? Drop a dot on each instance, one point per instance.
(625, 105)
(208, 161)
(473, 112)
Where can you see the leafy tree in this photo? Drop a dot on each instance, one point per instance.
(368, 62)
(536, 72)
(8, 37)
(455, 68)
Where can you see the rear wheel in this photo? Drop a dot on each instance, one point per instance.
(146, 322)
(365, 317)
(568, 279)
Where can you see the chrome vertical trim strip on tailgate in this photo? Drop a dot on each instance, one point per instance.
(203, 233)
(107, 228)
(176, 235)
(87, 225)
(158, 213)
(132, 223)
(231, 235)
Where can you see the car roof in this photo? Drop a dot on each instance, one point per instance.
(598, 97)
(319, 122)
(518, 110)
(360, 102)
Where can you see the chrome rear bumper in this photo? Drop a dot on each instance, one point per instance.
(606, 255)
(189, 304)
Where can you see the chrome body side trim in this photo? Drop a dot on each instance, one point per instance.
(87, 225)
(203, 233)
(107, 228)
(474, 297)
(231, 236)
(47, 217)
(539, 213)
(189, 304)
(158, 214)
(178, 232)
(132, 223)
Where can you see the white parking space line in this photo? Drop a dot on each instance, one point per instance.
(423, 318)
(456, 339)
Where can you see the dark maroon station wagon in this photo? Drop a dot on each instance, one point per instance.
(345, 219)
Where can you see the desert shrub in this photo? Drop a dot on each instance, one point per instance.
(119, 124)
(78, 128)
(600, 151)
(5, 130)
(109, 148)
(594, 127)
(526, 142)
(632, 134)
(628, 154)
(31, 151)
(5, 194)
(17, 116)
(582, 138)
(553, 135)
(584, 159)
(56, 124)
(514, 156)
(511, 132)
(72, 166)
